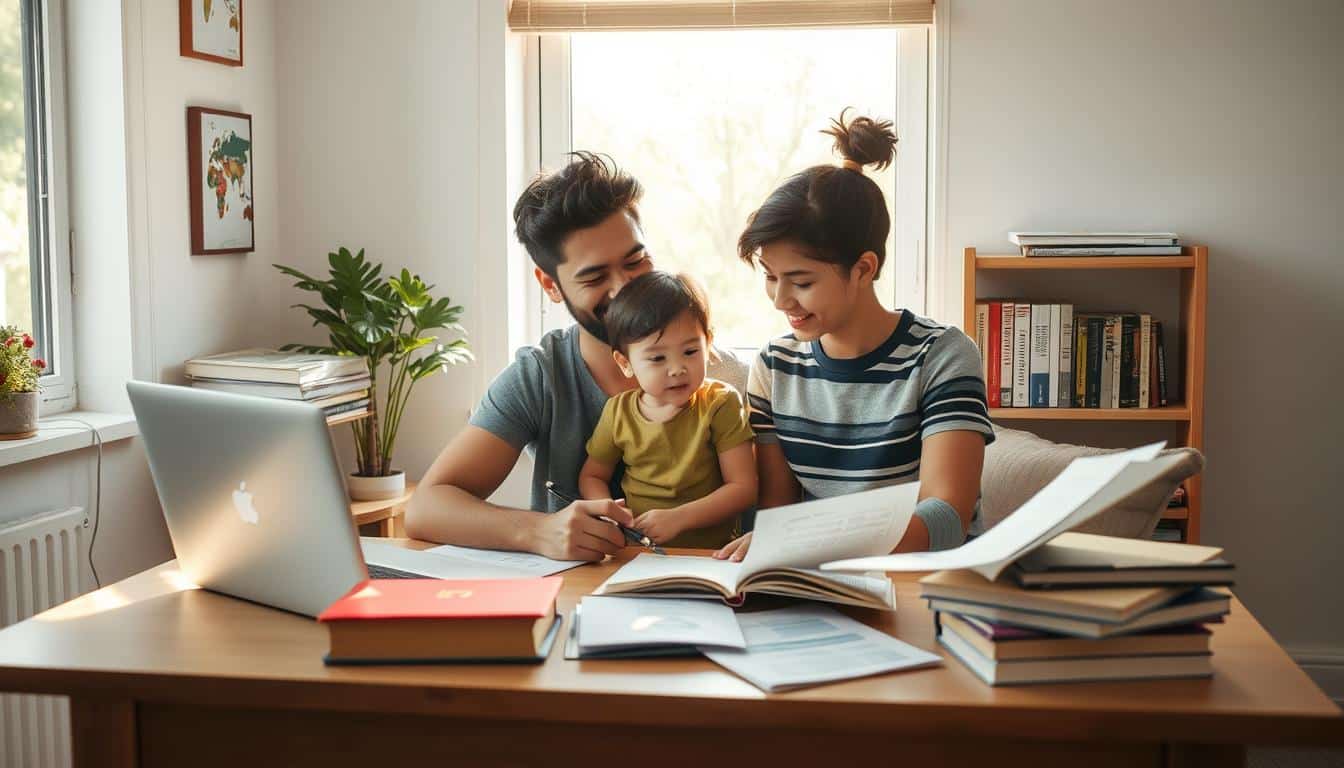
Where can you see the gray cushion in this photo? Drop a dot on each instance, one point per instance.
(1018, 464)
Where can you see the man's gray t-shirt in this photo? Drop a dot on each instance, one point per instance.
(548, 403)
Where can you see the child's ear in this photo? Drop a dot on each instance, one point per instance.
(623, 363)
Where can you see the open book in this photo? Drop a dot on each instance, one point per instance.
(787, 546)
(800, 550)
(1087, 487)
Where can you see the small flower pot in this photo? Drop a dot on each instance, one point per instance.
(18, 415)
(376, 488)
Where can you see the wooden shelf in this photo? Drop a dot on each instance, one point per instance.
(1168, 413)
(346, 418)
(1189, 275)
(1084, 262)
(388, 513)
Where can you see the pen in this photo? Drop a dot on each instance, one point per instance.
(631, 535)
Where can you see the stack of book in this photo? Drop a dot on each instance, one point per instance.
(339, 385)
(1048, 356)
(1085, 607)
(1096, 243)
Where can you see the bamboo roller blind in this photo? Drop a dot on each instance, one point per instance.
(541, 16)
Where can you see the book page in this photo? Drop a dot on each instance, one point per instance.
(1087, 487)
(814, 532)
(648, 567)
(526, 562)
(808, 645)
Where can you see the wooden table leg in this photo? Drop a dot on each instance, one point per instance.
(103, 731)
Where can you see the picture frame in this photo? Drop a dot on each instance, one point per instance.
(220, 166)
(212, 30)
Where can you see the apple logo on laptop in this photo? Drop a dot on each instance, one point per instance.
(242, 501)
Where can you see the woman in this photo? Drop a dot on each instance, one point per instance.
(857, 396)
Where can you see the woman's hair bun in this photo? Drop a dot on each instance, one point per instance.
(864, 140)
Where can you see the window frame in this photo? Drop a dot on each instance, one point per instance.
(549, 123)
(48, 192)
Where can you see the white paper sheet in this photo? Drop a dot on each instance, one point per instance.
(810, 645)
(811, 533)
(524, 562)
(1087, 487)
(613, 623)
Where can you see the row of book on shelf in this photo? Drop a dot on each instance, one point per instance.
(337, 384)
(1037, 355)
(1030, 601)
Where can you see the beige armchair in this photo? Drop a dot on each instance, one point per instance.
(1018, 464)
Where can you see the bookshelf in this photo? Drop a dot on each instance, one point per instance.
(1188, 273)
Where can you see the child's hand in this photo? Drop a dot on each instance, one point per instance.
(660, 525)
(735, 550)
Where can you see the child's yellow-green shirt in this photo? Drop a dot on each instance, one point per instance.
(676, 461)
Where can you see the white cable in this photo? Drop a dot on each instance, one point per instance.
(97, 485)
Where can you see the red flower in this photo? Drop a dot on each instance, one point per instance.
(28, 341)
(3, 378)
(9, 341)
(39, 363)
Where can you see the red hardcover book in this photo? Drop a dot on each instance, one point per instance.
(992, 352)
(436, 620)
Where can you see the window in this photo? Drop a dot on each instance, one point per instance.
(710, 122)
(34, 260)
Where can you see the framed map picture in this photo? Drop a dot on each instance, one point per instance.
(212, 30)
(219, 161)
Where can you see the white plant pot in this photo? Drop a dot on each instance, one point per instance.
(376, 488)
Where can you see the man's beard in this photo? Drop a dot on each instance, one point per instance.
(592, 322)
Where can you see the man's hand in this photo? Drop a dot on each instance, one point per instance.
(577, 533)
(736, 549)
(660, 525)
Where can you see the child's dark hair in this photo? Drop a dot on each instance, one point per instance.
(836, 211)
(649, 303)
(580, 195)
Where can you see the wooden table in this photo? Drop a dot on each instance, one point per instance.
(163, 674)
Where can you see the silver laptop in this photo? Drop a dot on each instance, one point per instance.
(255, 500)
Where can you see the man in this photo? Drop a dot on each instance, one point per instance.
(581, 227)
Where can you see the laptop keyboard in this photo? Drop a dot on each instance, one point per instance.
(383, 572)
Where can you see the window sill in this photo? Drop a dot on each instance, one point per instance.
(55, 434)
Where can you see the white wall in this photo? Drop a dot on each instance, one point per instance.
(381, 128)
(143, 302)
(1217, 119)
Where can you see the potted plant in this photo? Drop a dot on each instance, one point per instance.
(19, 372)
(388, 320)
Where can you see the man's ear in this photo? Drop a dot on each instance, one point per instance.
(865, 267)
(548, 285)
(623, 363)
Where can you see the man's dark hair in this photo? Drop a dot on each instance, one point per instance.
(836, 211)
(649, 303)
(580, 195)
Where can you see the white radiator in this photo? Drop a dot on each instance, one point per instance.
(43, 562)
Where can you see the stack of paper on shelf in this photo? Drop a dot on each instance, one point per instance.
(337, 384)
(1097, 243)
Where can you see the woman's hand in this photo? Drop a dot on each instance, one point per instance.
(736, 549)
